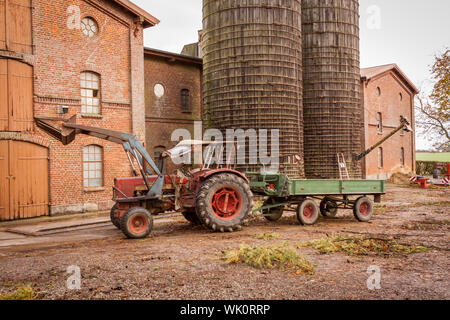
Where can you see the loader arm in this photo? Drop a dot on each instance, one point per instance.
(130, 143)
(404, 125)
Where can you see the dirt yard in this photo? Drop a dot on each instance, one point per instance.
(180, 261)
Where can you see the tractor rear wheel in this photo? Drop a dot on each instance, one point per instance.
(137, 223)
(363, 209)
(308, 212)
(192, 218)
(272, 214)
(115, 220)
(223, 202)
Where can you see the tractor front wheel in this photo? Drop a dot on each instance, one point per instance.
(223, 202)
(137, 223)
(115, 220)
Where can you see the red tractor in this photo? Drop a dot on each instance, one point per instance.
(218, 198)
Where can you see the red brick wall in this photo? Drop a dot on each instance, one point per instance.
(60, 55)
(164, 115)
(390, 106)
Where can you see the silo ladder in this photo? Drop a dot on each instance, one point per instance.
(343, 172)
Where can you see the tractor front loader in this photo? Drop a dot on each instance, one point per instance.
(218, 198)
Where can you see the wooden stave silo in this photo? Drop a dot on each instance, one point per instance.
(333, 116)
(252, 71)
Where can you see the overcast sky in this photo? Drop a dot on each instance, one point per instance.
(406, 32)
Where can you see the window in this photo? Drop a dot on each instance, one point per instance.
(378, 91)
(89, 27)
(93, 166)
(380, 122)
(185, 100)
(90, 93)
(159, 160)
(159, 90)
(402, 157)
(400, 96)
(380, 158)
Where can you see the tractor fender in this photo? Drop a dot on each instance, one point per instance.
(211, 173)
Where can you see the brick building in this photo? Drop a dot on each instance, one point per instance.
(61, 58)
(387, 94)
(172, 97)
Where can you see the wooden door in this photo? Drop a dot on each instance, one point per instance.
(20, 92)
(4, 104)
(18, 26)
(28, 180)
(4, 180)
(16, 96)
(2, 25)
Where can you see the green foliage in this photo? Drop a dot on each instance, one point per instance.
(22, 293)
(361, 246)
(282, 255)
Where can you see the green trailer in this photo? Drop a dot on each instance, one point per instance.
(281, 193)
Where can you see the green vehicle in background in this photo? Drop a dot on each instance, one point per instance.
(282, 192)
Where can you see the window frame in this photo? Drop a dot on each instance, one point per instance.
(186, 100)
(96, 25)
(380, 158)
(86, 96)
(380, 122)
(88, 162)
(402, 156)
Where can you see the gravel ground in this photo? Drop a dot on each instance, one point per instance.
(180, 261)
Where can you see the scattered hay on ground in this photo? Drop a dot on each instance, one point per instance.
(399, 178)
(267, 236)
(22, 293)
(426, 225)
(282, 256)
(362, 246)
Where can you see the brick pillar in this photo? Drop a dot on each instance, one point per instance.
(137, 81)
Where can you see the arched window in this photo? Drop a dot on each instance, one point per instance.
(378, 91)
(185, 100)
(90, 93)
(92, 166)
(89, 27)
(380, 122)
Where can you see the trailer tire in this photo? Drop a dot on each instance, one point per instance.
(115, 221)
(275, 213)
(223, 202)
(328, 208)
(192, 218)
(137, 223)
(363, 209)
(308, 212)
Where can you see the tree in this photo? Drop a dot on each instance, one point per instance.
(433, 115)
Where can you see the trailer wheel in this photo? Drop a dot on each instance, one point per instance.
(137, 223)
(273, 214)
(328, 208)
(308, 212)
(363, 209)
(224, 202)
(115, 220)
(192, 218)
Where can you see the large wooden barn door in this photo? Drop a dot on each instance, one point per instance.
(17, 25)
(2, 25)
(16, 96)
(4, 180)
(28, 181)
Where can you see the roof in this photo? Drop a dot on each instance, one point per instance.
(173, 56)
(369, 73)
(149, 20)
